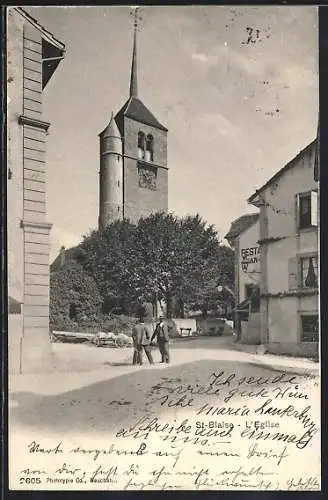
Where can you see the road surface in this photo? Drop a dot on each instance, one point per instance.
(98, 399)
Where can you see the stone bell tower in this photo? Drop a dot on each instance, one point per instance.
(133, 159)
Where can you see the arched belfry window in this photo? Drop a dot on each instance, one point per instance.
(149, 148)
(141, 145)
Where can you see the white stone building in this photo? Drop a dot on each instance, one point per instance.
(289, 263)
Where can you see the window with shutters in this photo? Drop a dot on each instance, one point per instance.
(309, 272)
(309, 327)
(307, 210)
(293, 273)
(303, 272)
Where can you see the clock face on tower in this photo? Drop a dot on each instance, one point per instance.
(147, 177)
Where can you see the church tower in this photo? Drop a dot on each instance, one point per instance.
(110, 175)
(143, 142)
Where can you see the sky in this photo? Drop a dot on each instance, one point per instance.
(237, 88)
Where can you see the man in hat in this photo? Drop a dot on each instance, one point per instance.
(141, 335)
(162, 334)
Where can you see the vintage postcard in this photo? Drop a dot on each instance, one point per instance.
(163, 264)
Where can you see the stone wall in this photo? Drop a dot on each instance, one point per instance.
(306, 349)
(140, 201)
(36, 228)
(14, 156)
(248, 253)
(28, 229)
(283, 301)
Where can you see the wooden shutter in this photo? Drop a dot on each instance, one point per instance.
(293, 273)
(314, 208)
(297, 211)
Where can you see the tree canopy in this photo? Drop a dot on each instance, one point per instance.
(163, 257)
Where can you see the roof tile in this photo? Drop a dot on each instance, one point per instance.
(135, 109)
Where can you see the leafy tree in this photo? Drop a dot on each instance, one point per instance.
(164, 257)
(219, 272)
(172, 257)
(107, 255)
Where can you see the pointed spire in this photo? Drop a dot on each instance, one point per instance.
(134, 73)
(111, 130)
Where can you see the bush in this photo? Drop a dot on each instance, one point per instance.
(75, 302)
(118, 324)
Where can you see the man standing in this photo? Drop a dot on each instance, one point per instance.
(162, 334)
(136, 343)
(141, 334)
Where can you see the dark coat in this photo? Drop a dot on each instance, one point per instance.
(161, 332)
(141, 334)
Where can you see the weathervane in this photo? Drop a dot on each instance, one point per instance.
(134, 12)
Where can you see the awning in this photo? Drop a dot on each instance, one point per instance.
(243, 306)
(53, 51)
(51, 57)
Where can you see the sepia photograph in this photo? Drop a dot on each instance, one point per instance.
(163, 173)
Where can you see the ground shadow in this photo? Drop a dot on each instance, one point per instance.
(122, 363)
(218, 342)
(105, 405)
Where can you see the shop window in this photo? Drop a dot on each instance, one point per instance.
(309, 272)
(252, 292)
(310, 328)
(307, 207)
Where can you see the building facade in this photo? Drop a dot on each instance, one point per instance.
(33, 55)
(289, 278)
(133, 174)
(243, 237)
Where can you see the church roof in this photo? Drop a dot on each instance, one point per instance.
(135, 109)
